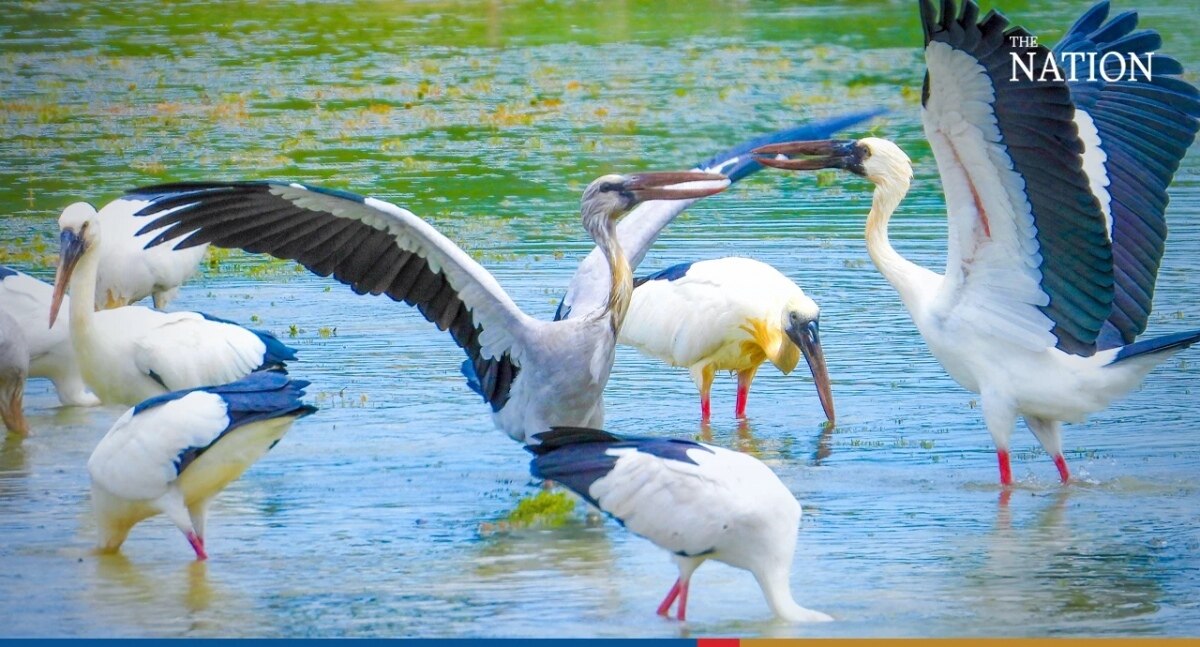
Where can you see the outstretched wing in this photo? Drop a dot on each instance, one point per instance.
(589, 287)
(1029, 255)
(373, 246)
(1136, 130)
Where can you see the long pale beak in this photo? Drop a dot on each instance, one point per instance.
(70, 250)
(675, 186)
(808, 338)
(824, 153)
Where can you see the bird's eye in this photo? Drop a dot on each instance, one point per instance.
(607, 186)
(864, 151)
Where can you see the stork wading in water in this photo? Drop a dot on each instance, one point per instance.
(14, 367)
(1056, 195)
(727, 314)
(127, 272)
(535, 374)
(697, 501)
(51, 355)
(129, 354)
(173, 453)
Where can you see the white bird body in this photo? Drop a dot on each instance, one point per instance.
(697, 501)
(14, 367)
(533, 373)
(51, 355)
(128, 272)
(1056, 198)
(132, 353)
(725, 314)
(172, 454)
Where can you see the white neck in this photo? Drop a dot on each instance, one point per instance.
(905, 276)
(778, 592)
(83, 293)
(620, 273)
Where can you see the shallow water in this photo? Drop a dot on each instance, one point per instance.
(489, 118)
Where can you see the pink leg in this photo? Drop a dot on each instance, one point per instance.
(1005, 467)
(198, 545)
(683, 600)
(1061, 464)
(705, 408)
(669, 600)
(743, 393)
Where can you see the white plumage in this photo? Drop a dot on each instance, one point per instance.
(128, 272)
(14, 366)
(697, 501)
(51, 354)
(128, 354)
(726, 314)
(171, 454)
(1056, 198)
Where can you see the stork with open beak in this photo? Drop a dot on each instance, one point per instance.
(534, 374)
(1056, 200)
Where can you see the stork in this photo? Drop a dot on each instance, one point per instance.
(172, 453)
(589, 287)
(14, 366)
(1055, 194)
(127, 272)
(50, 352)
(727, 314)
(534, 374)
(132, 353)
(697, 501)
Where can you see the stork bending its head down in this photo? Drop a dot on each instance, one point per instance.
(1056, 200)
(727, 314)
(697, 501)
(534, 374)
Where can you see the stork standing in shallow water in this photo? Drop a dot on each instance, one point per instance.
(127, 272)
(1056, 194)
(173, 453)
(129, 354)
(697, 501)
(727, 314)
(535, 374)
(50, 352)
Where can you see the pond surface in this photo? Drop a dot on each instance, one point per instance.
(373, 517)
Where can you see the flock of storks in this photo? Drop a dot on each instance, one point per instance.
(1055, 192)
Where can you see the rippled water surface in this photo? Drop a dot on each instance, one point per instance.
(372, 518)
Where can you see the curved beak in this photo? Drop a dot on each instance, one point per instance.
(685, 185)
(808, 338)
(70, 249)
(819, 154)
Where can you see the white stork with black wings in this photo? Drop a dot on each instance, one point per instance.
(1056, 199)
(535, 374)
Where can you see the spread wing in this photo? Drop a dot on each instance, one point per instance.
(373, 246)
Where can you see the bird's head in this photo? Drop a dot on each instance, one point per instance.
(801, 323)
(609, 197)
(878, 160)
(79, 231)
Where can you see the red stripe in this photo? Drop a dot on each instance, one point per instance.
(718, 642)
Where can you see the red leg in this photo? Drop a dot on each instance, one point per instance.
(197, 545)
(1061, 464)
(683, 600)
(1005, 467)
(705, 408)
(669, 600)
(743, 392)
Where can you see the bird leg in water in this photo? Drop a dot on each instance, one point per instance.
(743, 391)
(705, 383)
(1005, 467)
(1061, 464)
(197, 545)
(665, 607)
